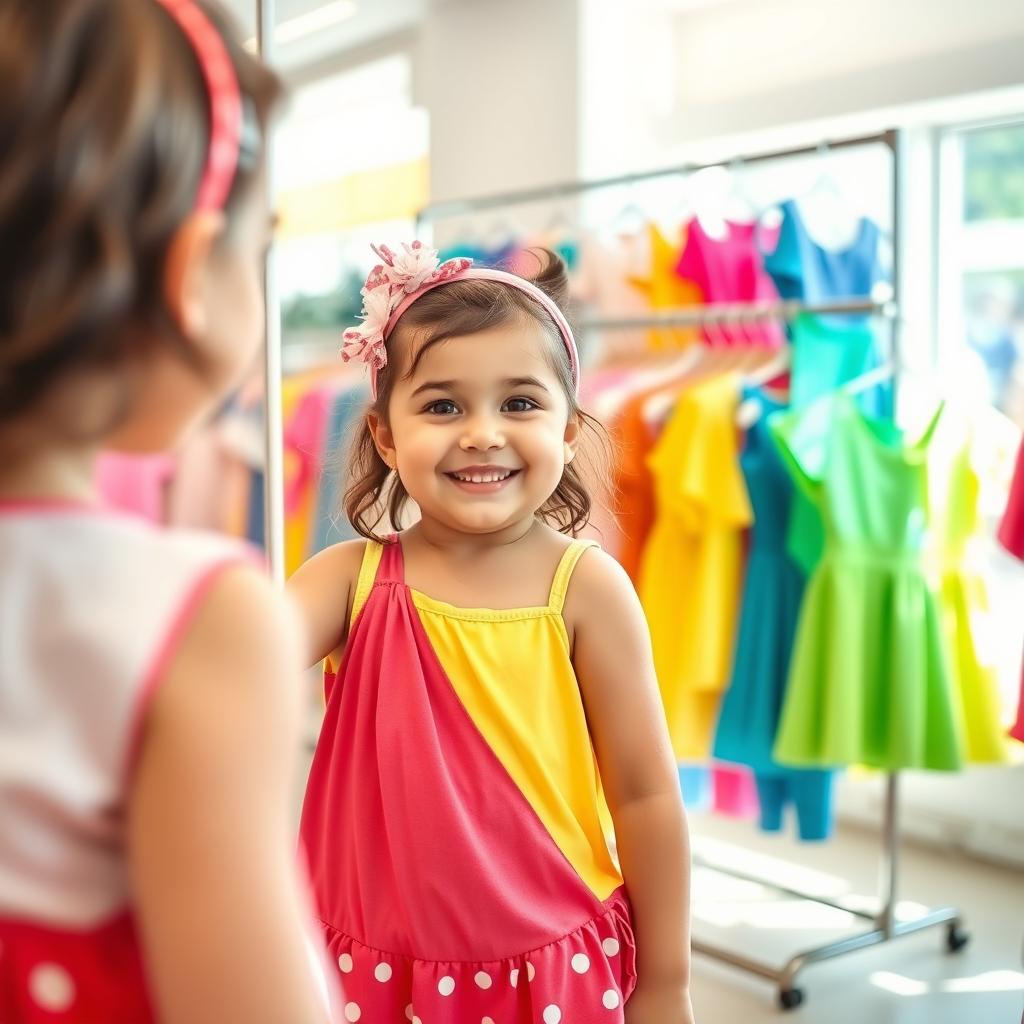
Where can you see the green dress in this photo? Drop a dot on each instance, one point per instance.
(870, 680)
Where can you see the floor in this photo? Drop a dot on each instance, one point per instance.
(912, 980)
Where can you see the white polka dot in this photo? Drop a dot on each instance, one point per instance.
(416, 1020)
(552, 1015)
(487, 1020)
(610, 947)
(382, 972)
(51, 987)
(581, 963)
(352, 1012)
(611, 999)
(345, 963)
(483, 980)
(531, 972)
(513, 977)
(408, 1012)
(446, 986)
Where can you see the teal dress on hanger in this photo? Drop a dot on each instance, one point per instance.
(772, 595)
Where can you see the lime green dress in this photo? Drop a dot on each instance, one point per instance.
(870, 681)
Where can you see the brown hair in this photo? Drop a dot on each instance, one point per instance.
(466, 307)
(104, 118)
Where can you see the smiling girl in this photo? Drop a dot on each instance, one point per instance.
(495, 713)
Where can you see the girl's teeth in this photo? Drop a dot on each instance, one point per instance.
(479, 478)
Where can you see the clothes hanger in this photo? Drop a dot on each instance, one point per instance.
(739, 207)
(870, 378)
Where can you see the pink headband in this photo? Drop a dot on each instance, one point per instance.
(225, 102)
(392, 287)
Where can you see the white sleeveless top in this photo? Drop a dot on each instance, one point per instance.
(92, 605)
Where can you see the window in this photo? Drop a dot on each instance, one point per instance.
(981, 284)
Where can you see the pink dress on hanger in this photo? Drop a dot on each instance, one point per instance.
(730, 269)
(1011, 536)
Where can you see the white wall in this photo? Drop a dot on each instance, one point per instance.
(686, 71)
(500, 82)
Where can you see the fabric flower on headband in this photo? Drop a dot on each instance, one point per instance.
(387, 285)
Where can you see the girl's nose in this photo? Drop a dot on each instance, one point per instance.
(482, 433)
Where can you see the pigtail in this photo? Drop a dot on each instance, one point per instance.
(376, 498)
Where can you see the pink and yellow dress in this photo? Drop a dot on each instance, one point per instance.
(455, 827)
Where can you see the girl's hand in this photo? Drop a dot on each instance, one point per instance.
(664, 1004)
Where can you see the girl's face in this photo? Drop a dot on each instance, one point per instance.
(480, 431)
(215, 294)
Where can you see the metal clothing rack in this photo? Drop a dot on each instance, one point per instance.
(562, 190)
(740, 312)
(883, 925)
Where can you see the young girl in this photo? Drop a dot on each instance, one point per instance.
(495, 683)
(148, 716)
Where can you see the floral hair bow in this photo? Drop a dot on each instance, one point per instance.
(394, 285)
(400, 276)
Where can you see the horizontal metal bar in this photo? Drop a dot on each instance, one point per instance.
(461, 207)
(933, 919)
(743, 876)
(736, 959)
(739, 312)
(785, 976)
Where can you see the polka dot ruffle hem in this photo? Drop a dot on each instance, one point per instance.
(583, 978)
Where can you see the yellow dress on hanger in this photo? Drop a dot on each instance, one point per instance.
(963, 595)
(691, 567)
(665, 289)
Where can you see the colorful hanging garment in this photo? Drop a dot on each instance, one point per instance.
(954, 504)
(870, 681)
(1011, 536)
(772, 594)
(690, 575)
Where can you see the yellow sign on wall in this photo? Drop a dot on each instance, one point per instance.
(397, 192)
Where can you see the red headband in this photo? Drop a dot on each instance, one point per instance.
(225, 102)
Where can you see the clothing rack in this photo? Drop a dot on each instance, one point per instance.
(884, 925)
(740, 312)
(563, 190)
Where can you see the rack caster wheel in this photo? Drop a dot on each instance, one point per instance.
(790, 998)
(956, 937)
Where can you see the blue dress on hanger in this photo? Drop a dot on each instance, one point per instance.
(828, 350)
(805, 270)
(772, 595)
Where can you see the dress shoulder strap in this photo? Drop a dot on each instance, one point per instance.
(563, 573)
(367, 577)
(381, 562)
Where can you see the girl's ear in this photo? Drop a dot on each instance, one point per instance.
(383, 439)
(572, 438)
(185, 272)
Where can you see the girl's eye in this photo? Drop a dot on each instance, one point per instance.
(520, 405)
(442, 407)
